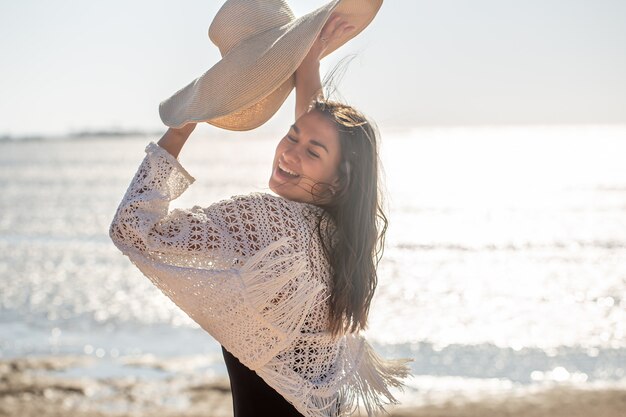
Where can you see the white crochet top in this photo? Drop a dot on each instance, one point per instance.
(250, 270)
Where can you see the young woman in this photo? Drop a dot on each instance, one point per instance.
(283, 282)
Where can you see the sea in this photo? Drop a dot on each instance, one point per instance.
(504, 266)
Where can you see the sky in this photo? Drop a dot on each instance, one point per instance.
(69, 66)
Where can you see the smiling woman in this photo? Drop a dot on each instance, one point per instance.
(283, 285)
(283, 282)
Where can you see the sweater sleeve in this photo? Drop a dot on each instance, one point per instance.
(220, 235)
(239, 267)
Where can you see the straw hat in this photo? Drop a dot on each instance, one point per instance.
(262, 44)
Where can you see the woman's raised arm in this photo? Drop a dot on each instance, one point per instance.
(308, 82)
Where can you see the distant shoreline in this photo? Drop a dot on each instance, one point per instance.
(87, 134)
(114, 133)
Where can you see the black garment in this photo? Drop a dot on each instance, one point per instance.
(252, 397)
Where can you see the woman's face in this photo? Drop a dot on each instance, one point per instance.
(312, 152)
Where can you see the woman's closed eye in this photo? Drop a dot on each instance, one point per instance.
(293, 140)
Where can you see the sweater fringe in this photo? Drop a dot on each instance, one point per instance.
(279, 273)
(279, 286)
(369, 384)
(363, 383)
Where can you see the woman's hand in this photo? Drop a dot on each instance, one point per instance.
(335, 28)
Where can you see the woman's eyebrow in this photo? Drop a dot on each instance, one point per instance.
(312, 141)
(316, 143)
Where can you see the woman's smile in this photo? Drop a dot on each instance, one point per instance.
(283, 176)
(283, 170)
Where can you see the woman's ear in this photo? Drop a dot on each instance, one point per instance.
(336, 182)
(334, 185)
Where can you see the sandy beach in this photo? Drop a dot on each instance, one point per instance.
(29, 387)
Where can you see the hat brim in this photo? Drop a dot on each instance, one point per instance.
(251, 82)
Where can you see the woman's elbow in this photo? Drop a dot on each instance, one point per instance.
(115, 233)
(119, 234)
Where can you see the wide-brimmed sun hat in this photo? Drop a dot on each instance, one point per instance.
(262, 44)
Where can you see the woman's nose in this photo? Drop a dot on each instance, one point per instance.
(290, 154)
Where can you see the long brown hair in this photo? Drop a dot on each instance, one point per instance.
(354, 240)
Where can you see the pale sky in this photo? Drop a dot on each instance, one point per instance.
(81, 65)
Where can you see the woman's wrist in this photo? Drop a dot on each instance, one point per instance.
(174, 139)
(310, 63)
(185, 130)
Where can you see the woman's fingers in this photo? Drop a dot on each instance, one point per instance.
(331, 26)
(328, 28)
(335, 27)
(332, 22)
(342, 29)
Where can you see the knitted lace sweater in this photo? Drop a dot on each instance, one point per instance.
(250, 271)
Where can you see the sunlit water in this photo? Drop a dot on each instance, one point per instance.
(505, 259)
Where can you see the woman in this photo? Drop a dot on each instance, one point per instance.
(283, 282)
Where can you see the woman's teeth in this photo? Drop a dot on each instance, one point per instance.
(293, 174)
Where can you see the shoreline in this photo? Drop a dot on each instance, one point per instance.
(34, 387)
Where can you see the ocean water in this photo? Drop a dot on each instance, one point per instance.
(504, 266)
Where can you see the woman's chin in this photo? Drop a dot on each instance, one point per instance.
(278, 188)
(281, 190)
